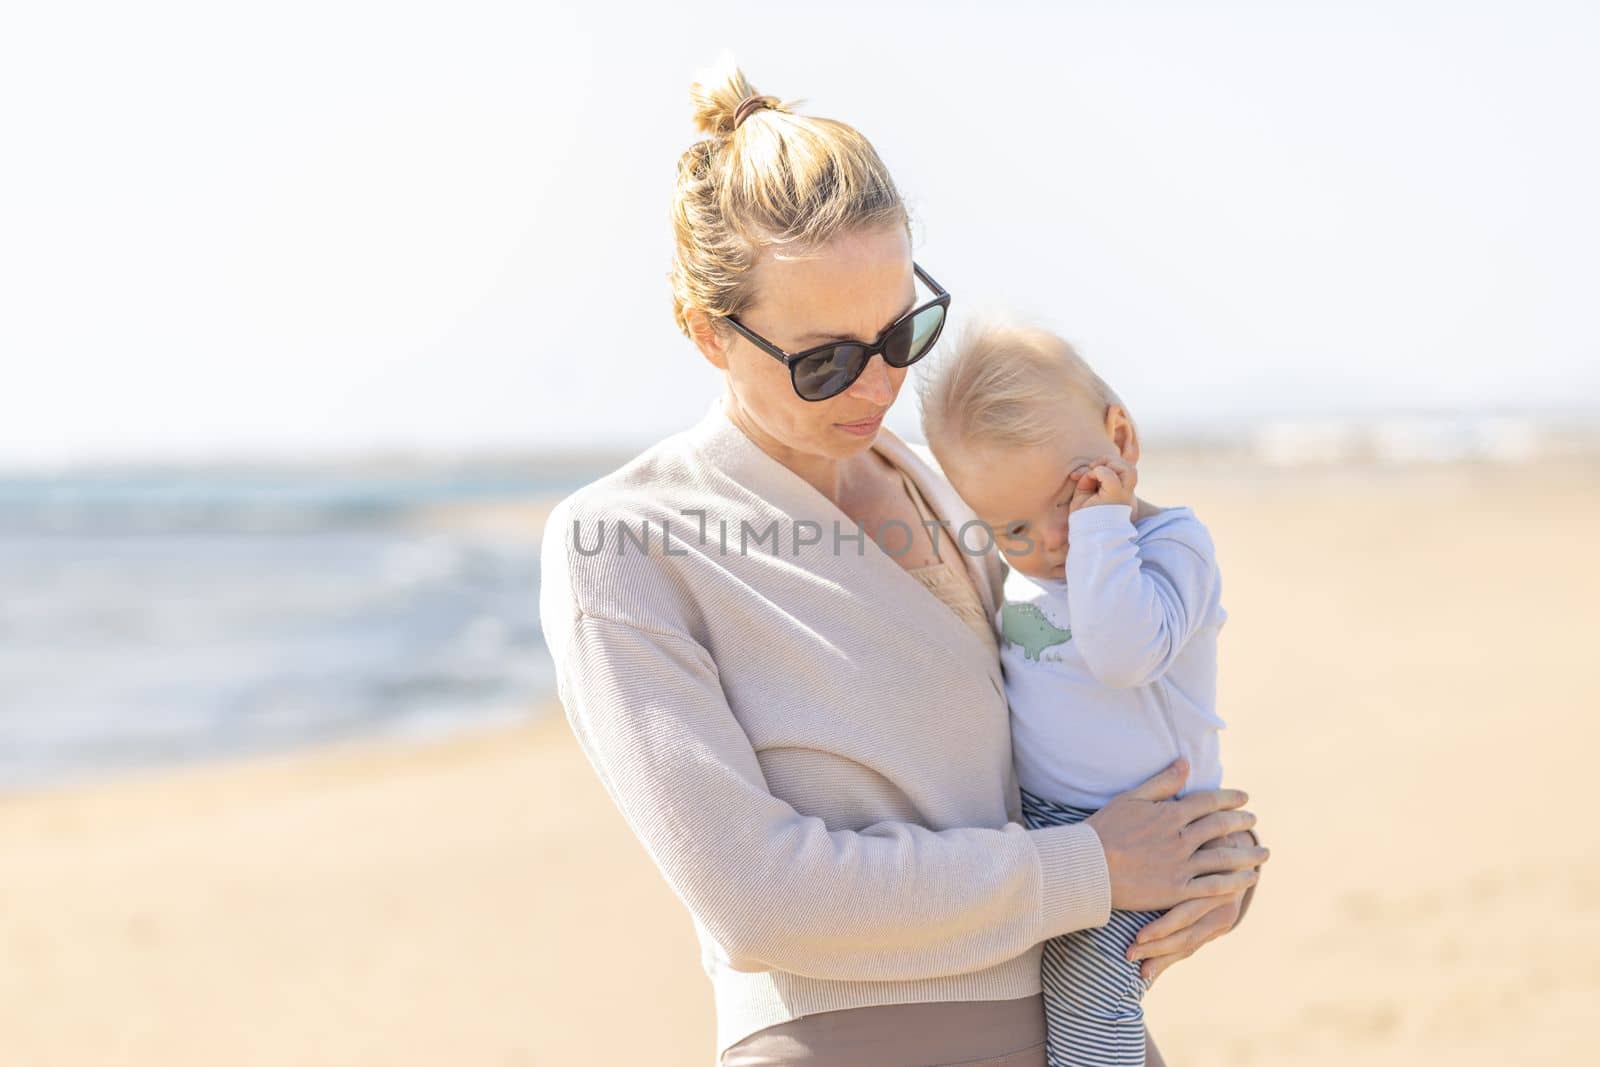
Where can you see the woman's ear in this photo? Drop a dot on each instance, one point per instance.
(712, 345)
(1123, 433)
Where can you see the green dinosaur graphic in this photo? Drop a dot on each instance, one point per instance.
(1026, 625)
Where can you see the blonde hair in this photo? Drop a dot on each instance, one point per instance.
(775, 179)
(1005, 383)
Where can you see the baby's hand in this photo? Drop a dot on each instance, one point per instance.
(1108, 480)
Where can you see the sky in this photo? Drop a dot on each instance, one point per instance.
(329, 229)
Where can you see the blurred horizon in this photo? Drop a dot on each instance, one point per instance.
(1372, 436)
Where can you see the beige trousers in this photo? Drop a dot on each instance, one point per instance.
(971, 1033)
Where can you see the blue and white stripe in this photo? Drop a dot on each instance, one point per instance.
(1093, 997)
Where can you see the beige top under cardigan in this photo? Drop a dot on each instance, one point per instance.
(817, 761)
(948, 578)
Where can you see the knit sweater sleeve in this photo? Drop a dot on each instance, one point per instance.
(777, 889)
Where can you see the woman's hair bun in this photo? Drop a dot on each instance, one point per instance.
(717, 92)
(792, 181)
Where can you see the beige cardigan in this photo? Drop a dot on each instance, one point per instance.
(812, 748)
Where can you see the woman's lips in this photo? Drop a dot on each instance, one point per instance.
(861, 429)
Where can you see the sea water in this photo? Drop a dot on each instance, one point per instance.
(160, 618)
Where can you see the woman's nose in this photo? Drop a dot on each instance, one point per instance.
(875, 385)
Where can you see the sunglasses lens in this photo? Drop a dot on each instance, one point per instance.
(912, 340)
(827, 373)
(830, 372)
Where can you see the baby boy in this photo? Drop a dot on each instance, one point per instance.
(1108, 626)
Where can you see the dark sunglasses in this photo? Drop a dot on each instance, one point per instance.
(828, 370)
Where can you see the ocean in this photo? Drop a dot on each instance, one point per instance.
(160, 618)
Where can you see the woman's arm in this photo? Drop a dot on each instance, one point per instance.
(777, 889)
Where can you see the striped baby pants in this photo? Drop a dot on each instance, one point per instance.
(1093, 997)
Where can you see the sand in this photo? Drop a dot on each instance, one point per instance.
(1408, 676)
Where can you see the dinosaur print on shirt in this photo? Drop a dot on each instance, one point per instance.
(1026, 626)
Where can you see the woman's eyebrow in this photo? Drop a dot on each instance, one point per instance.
(823, 335)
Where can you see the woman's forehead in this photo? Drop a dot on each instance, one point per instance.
(850, 287)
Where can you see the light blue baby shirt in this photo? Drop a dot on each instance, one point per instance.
(1111, 672)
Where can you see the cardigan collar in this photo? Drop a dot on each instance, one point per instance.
(719, 439)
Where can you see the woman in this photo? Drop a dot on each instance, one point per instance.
(800, 712)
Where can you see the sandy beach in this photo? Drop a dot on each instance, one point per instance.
(1406, 672)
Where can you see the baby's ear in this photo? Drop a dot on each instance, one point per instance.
(1124, 434)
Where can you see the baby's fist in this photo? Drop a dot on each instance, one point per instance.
(1108, 480)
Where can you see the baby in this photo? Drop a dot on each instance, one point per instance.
(1108, 626)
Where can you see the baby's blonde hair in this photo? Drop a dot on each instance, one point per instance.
(1003, 384)
(777, 179)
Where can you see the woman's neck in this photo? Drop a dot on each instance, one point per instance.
(833, 476)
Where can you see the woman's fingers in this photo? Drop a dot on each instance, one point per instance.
(1203, 802)
(1150, 851)
(1163, 785)
(1218, 824)
(1216, 885)
(1209, 927)
(1243, 839)
(1227, 858)
(1157, 936)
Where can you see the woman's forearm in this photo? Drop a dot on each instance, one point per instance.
(780, 890)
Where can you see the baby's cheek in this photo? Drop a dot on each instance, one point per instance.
(1021, 560)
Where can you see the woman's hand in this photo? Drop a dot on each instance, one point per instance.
(1152, 843)
(1176, 935)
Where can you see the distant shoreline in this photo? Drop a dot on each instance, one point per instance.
(1372, 436)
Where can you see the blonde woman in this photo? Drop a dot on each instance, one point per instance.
(771, 639)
